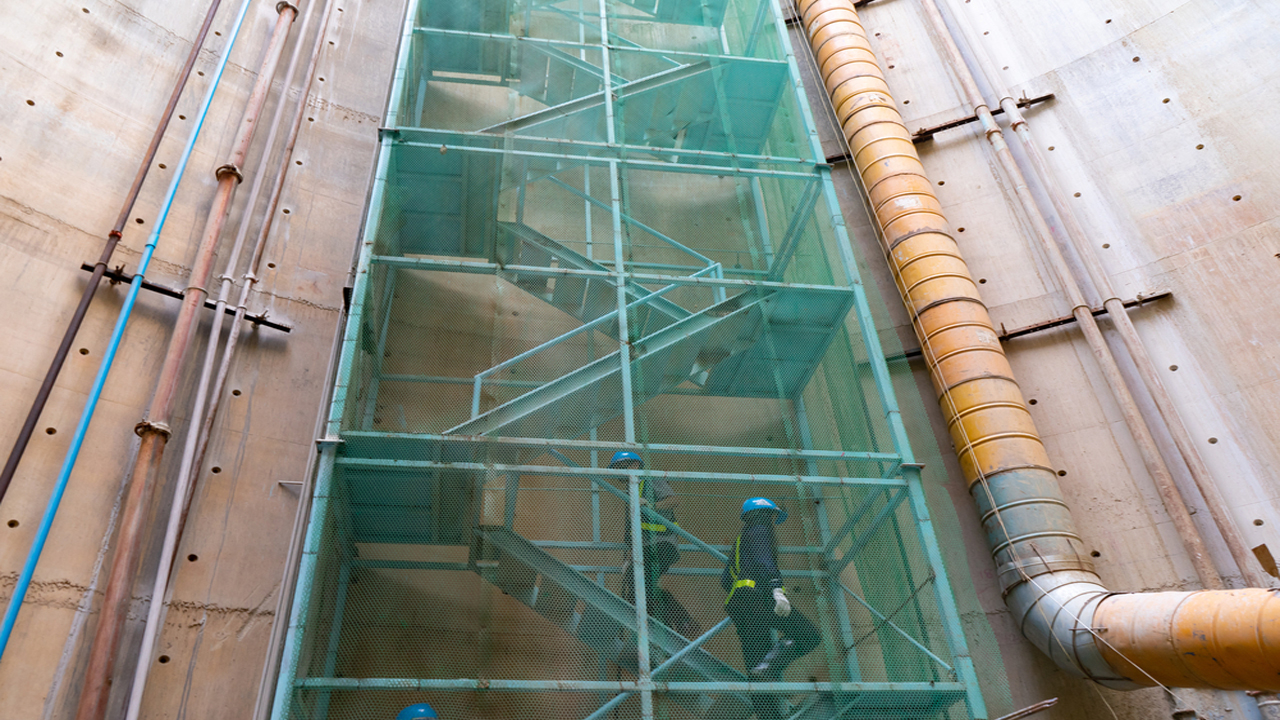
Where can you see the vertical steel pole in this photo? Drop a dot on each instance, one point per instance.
(335, 638)
(628, 409)
(375, 380)
(942, 587)
(348, 350)
(824, 530)
(302, 600)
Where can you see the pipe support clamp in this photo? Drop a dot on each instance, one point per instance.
(147, 426)
(229, 169)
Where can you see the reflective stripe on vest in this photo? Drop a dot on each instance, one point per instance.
(734, 569)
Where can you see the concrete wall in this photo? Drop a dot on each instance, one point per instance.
(83, 84)
(1157, 132)
(80, 92)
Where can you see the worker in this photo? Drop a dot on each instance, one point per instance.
(417, 711)
(757, 603)
(659, 543)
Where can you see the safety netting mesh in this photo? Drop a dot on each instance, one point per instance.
(580, 247)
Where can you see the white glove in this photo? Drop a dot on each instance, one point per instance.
(781, 605)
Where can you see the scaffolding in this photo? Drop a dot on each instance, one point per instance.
(599, 226)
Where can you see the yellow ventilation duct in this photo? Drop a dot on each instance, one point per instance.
(1210, 639)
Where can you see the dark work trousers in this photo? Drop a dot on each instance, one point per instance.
(658, 559)
(753, 618)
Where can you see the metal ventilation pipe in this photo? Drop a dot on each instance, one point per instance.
(1078, 239)
(1225, 639)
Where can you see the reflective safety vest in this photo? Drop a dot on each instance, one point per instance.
(735, 568)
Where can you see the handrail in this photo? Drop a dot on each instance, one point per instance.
(480, 376)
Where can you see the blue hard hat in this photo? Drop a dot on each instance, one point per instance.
(417, 711)
(763, 503)
(622, 456)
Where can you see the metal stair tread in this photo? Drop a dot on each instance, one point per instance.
(618, 612)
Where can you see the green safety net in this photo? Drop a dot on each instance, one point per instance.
(601, 226)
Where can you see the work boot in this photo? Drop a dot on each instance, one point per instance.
(774, 661)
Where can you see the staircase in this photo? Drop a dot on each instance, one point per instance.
(721, 350)
(552, 76)
(596, 617)
(586, 299)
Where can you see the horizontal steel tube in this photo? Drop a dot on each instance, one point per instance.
(621, 685)
(579, 472)
(578, 444)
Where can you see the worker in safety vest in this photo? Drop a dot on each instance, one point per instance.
(660, 548)
(417, 711)
(758, 604)
(657, 537)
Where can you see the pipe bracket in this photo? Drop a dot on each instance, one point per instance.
(282, 6)
(145, 427)
(229, 169)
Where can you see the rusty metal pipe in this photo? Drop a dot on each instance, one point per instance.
(1046, 576)
(250, 276)
(188, 467)
(109, 249)
(1077, 238)
(154, 429)
(1227, 639)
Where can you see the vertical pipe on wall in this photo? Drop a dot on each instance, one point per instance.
(188, 466)
(250, 277)
(1078, 240)
(1151, 457)
(99, 269)
(117, 334)
(154, 429)
(279, 665)
(1224, 639)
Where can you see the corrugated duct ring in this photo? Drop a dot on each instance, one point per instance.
(986, 415)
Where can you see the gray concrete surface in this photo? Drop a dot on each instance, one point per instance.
(98, 78)
(1165, 209)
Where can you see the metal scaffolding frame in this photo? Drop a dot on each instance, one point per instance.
(628, 301)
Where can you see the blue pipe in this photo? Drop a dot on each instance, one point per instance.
(104, 368)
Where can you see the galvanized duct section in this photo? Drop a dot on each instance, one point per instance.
(1049, 583)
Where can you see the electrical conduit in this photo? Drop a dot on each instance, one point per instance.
(104, 368)
(154, 430)
(1077, 238)
(1049, 585)
(202, 419)
(285, 596)
(1170, 496)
